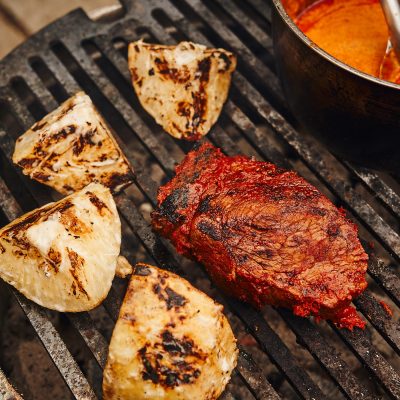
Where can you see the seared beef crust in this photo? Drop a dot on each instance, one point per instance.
(264, 234)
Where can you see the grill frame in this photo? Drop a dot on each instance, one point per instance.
(83, 70)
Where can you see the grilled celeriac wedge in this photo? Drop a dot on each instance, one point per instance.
(183, 87)
(171, 341)
(63, 255)
(71, 147)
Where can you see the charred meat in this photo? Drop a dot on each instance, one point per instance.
(264, 234)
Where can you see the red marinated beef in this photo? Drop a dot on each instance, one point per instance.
(264, 234)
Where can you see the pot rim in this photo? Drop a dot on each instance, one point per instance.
(288, 20)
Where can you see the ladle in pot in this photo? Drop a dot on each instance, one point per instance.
(391, 9)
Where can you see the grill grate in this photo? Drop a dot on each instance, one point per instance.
(76, 53)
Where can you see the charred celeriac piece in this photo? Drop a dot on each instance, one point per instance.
(63, 255)
(72, 147)
(171, 341)
(183, 87)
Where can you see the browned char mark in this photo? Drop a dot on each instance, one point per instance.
(227, 62)
(36, 215)
(77, 263)
(82, 142)
(199, 99)
(63, 133)
(54, 259)
(172, 299)
(118, 180)
(28, 162)
(170, 362)
(73, 225)
(176, 75)
(38, 125)
(99, 204)
(67, 109)
(41, 176)
(176, 200)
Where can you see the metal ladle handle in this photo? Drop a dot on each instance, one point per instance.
(391, 9)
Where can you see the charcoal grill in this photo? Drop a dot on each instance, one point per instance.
(75, 53)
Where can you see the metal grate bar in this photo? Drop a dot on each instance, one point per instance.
(326, 355)
(359, 342)
(248, 23)
(112, 304)
(61, 75)
(250, 8)
(380, 319)
(56, 348)
(247, 29)
(37, 89)
(92, 337)
(7, 392)
(7, 203)
(385, 275)
(254, 378)
(263, 7)
(384, 192)
(227, 396)
(277, 350)
(24, 117)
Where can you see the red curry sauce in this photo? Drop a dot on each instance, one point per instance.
(353, 31)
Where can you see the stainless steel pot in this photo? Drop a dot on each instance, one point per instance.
(356, 115)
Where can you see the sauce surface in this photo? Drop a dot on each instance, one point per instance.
(353, 31)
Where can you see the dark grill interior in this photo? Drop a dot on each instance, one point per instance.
(293, 357)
